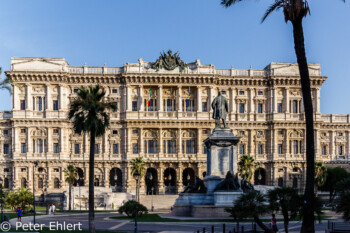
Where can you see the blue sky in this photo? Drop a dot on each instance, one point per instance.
(115, 32)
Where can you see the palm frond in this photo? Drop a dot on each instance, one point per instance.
(228, 3)
(272, 8)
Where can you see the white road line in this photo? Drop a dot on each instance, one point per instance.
(117, 226)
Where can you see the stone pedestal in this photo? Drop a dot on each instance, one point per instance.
(222, 152)
(226, 198)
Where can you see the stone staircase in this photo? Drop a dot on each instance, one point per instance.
(160, 202)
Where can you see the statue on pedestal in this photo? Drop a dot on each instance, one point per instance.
(220, 107)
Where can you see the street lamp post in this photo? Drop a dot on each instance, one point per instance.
(137, 178)
(150, 178)
(2, 204)
(34, 166)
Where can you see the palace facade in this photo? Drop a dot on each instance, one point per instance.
(163, 116)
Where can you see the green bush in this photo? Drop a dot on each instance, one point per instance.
(129, 209)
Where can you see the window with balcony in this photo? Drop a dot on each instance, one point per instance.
(295, 147)
(188, 105)
(279, 108)
(295, 106)
(242, 149)
(260, 149)
(324, 150)
(135, 148)
(23, 148)
(76, 149)
(55, 105)
(23, 105)
(134, 106)
(280, 149)
(115, 148)
(97, 149)
(340, 150)
(152, 146)
(260, 108)
(56, 148)
(150, 105)
(190, 147)
(171, 146)
(169, 105)
(241, 108)
(204, 106)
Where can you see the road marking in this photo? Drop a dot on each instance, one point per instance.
(117, 226)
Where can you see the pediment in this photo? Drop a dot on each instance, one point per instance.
(39, 64)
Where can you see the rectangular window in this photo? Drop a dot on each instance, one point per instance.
(55, 105)
(241, 108)
(116, 107)
(340, 150)
(6, 132)
(56, 148)
(169, 105)
(169, 146)
(324, 150)
(96, 150)
(115, 132)
(260, 108)
(40, 103)
(135, 131)
(260, 149)
(241, 132)
(135, 148)
(40, 146)
(340, 134)
(204, 131)
(23, 131)
(242, 149)
(279, 108)
(134, 106)
(75, 90)
(55, 131)
(241, 92)
(188, 146)
(23, 148)
(204, 149)
(280, 150)
(23, 105)
(151, 105)
(295, 106)
(204, 106)
(114, 91)
(76, 149)
(260, 93)
(295, 147)
(115, 148)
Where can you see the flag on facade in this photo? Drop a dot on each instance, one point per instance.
(149, 97)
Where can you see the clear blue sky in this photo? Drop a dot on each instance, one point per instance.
(115, 32)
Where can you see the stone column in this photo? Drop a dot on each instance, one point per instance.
(160, 138)
(141, 152)
(318, 98)
(250, 143)
(286, 99)
(29, 99)
(62, 98)
(199, 141)
(15, 98)
(29, 141)
(48, 98)
(332, 143)
(210, 99)
(160, 172)
(317, 144)
(128, 98)
(49, 140)
(128, 136)
(274, 143)
(160, 99)
(286, 138)
(179, 142)
(179, 184)
(199, 99)
(274, 100)
(178, 100)
(141, 107)
(106, 180)
(251, 101)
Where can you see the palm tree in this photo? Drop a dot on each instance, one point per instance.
(287, 200)
(71, 177)
(246, 166)
(5, 84)
(88, 113)
(320, 175)
(139, 165)
(250, 205)
(295, 11)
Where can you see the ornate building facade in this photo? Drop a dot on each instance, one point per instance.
(163, 115)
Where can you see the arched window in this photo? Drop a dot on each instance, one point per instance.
(56, 183)
(40, 183)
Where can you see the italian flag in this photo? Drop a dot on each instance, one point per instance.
(149, 97)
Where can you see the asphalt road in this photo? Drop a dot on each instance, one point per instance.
(103, 222)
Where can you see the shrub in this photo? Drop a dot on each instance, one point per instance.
(129, 209)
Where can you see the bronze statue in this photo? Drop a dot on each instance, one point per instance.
(169, 62)
(230, 183)
(220, 107)
(246, 186)
(198, 187)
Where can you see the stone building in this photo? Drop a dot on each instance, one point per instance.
(163, 115)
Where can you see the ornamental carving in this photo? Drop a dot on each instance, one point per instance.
(169, 62)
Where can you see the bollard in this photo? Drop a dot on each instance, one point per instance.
(223, 228)
(203, 229)
(212, 228)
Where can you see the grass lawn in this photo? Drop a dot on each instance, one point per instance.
(157, 218)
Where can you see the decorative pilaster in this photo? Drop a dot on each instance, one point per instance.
(178, 100)
(140, 99)
(128, 98)
(160, 149)
(160, 99)
(199, 99)
(15, 99)
(274, 99)
(48, 98)
(29, 100)
(179, 142)
(286, 99)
